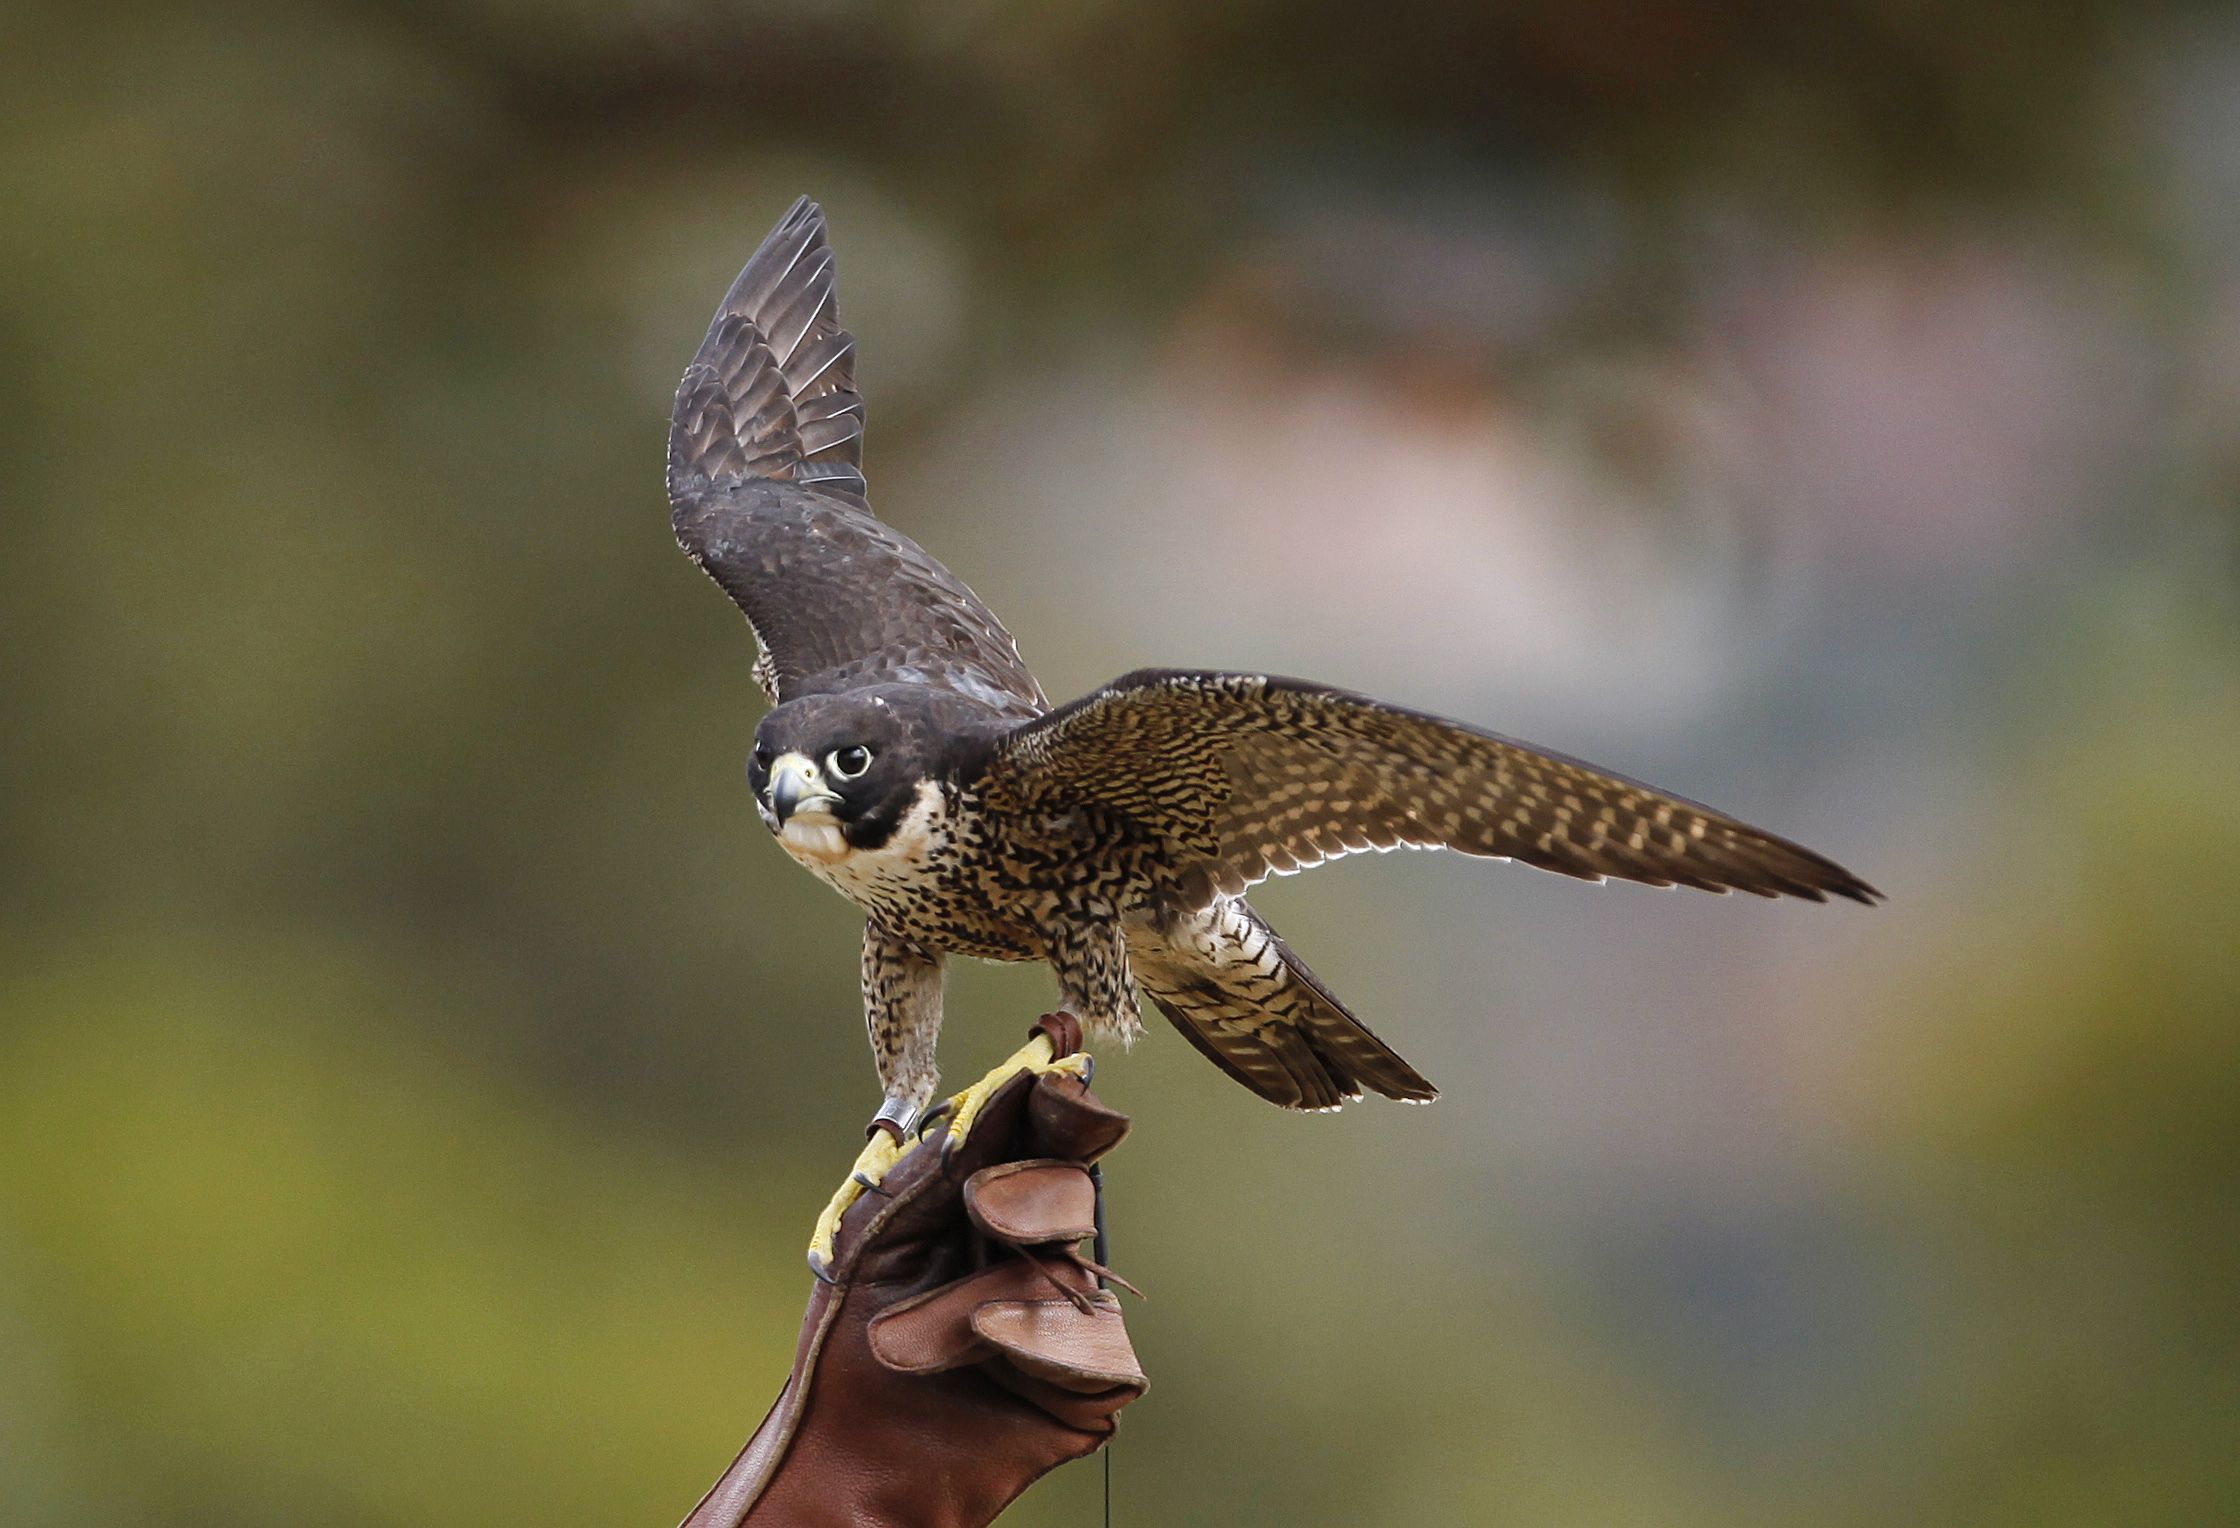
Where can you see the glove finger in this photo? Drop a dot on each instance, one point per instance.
(929, 1333)
(1082, 1350)
(886, 1234)
(1093, 1413)
(1032, 1202)
(1065, 1119)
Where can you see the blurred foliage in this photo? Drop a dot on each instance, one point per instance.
(417, 1074)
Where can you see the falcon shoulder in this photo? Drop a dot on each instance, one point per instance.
(766, 495)
(1248, 775)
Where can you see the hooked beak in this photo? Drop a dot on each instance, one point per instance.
(796, 783)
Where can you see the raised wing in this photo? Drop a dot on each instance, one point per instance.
(1247, 776)
(766, 495)
(772, 391)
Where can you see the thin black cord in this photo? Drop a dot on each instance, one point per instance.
(1097, 1248)
(1100, 1252)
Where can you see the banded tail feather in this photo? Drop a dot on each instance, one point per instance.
(1238, 993)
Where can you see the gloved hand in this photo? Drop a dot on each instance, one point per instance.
(959, 1346)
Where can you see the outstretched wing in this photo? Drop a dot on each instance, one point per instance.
(1247, 776)
(766, 495)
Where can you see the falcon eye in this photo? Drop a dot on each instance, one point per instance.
(761, 757)
(848, 763)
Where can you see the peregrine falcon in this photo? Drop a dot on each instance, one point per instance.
(912, 763)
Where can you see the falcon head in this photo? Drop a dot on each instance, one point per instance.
(833, 774)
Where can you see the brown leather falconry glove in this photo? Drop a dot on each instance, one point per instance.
(958, 1347)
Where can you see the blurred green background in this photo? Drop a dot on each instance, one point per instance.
(418, 1071)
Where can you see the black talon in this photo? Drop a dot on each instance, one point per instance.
(934, 1116)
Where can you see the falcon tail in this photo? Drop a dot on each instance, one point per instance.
(1235, 990)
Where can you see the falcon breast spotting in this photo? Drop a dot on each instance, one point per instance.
(911, 762)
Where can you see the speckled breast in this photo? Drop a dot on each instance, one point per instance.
(931, 882)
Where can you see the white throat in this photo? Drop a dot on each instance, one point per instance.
(814, 837)
(872, 877)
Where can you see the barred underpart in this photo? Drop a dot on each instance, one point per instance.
(1235, 990)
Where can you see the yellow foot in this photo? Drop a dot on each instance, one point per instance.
(1037, 1055)
(879, 1153)
(883, 1150)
